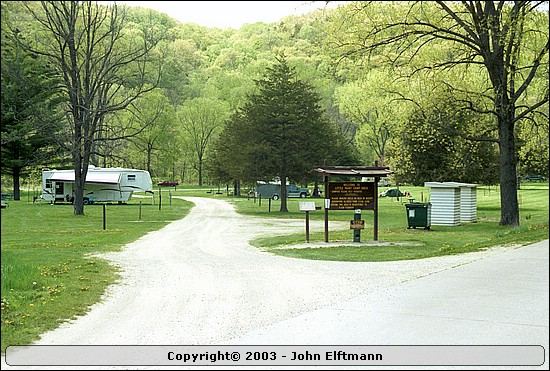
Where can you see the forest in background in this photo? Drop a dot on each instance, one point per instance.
(425, 124)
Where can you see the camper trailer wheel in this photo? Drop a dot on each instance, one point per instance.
(275, 197)
(86, 201)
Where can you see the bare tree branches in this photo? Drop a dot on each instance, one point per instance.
(487, 33)
(87, 46)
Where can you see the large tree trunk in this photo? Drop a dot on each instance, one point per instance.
(284, 207)
(78, 203)
(505, 112)
(80, 164)
(16, 184)
(200, 171)
(509, 207)
(237, 187)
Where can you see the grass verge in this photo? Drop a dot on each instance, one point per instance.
(50, 272)
(402, 243)
(49, 269)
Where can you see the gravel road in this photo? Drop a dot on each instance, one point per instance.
(198, 282)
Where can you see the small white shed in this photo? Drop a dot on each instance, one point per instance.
(468, 203)
(452, 202)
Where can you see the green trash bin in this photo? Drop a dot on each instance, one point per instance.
(419, 215)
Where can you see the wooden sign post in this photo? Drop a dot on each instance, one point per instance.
(352, 195)
(307, 207)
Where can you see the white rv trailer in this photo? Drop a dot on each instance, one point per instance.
(102, 184)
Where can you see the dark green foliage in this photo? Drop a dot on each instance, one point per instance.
(435, 146)
(281, 132)
(29, 125)
(222, 64)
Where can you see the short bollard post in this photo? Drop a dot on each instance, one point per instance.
(104, 217)
(357, 231)
(307, 226)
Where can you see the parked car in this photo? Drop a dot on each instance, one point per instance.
(532, 178)
(294, 191)
(273, 190)
(167, 183)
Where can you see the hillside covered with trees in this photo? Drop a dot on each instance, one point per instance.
(437, 91)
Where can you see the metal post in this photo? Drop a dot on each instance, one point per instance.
(139, 210)
(357, 232)
(104, 217)
(160, 198)
(269, 207)
(307, 226)
(326, 208)
(375, 221)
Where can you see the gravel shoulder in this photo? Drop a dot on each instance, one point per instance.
(198, 281)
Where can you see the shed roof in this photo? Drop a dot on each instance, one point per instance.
(363, 171)
(448, 184)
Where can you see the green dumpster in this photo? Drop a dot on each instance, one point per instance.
(419, 215)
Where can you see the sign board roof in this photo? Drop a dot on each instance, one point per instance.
(448, 184)
(357, 171)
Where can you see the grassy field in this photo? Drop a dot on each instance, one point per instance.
(50, 273)
(410, 243)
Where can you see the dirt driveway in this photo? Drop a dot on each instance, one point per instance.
(198, 282)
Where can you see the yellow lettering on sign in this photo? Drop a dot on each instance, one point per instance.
(356, 224)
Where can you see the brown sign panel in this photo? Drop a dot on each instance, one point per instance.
(351, 195)
(356, 224)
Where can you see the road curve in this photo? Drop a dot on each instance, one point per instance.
(197, 281)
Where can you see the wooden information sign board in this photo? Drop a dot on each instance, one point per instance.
(351, 195)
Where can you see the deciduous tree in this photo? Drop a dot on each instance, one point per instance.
(201, 120)
(87, 47)
(507, 42)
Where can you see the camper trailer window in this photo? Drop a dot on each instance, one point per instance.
(48, 183)
(131, 177)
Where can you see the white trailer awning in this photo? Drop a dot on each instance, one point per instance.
(91, 177)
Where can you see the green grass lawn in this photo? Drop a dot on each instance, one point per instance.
(50, 273)
(407, 243)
